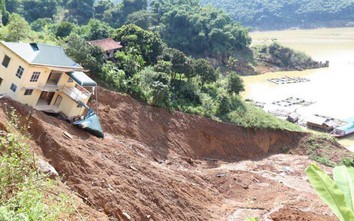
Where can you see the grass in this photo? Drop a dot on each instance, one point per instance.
(316, 148)
(25, 192)
(252, 116)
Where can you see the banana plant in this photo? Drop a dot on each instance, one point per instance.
(338, 194)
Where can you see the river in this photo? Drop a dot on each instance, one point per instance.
(331, 89)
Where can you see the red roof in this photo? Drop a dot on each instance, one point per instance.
(106, 44)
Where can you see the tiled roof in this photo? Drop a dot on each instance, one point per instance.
(106, 44)
(42, 54)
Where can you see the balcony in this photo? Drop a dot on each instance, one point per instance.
(77, 94)
(50, 86)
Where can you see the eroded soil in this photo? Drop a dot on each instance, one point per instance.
(159, 165)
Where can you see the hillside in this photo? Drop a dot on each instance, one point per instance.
(281, 14)
(160, 165)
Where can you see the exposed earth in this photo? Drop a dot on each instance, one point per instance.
(154, 164)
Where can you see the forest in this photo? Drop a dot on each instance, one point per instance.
(281, 14)
(177, 55)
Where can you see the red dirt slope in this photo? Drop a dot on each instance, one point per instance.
(157, 165)
(191, 136)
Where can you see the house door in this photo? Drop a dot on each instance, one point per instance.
(58, 101)
(47, 97)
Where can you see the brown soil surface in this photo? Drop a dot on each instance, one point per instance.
(159, 165)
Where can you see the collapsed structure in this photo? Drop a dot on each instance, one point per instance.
(44, 77)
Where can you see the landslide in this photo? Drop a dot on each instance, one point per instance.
(188, 135)
(154, 164)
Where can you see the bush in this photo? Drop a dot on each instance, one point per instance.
(23, 189)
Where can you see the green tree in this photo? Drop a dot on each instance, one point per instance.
(155, 86)
(142, 18)
(101, 7)
(4, 14)
(82, 10)
(90, 57)
(34, 9)
(130, 6)
(205, 70)
(96, 29)
(130, 62)
(40, 24)
(64, 29)
(114, 16)
(114, 77)
(14, 6)
(163, 66)
(181, 64)
(143, 42)
(202, 31)
(17, 28)
(234, 83)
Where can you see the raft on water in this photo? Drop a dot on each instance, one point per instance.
(344, 130)
(288, 80)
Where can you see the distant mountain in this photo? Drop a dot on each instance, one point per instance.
(280, 14)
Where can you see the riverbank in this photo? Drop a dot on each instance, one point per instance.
(328, 87)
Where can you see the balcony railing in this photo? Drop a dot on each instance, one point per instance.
(49, 87)
(76, 94)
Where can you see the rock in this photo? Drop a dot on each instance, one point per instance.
(221, 174)
(126, 215)
(107, 109)
(46, 168)
(287, 169)
(133, 168)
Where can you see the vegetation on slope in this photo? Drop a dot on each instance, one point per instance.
(25, 193)
(166, 56)
(269, 14)
(285, 58)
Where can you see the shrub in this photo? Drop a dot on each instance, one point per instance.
(23, 189)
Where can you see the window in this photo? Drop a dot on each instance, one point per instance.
(6, 61)
(13, 87)
(35, 76)
(28, 92)
(20, 71)
(70, 80)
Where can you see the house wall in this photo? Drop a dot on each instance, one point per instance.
(9, 74)
(67, 106)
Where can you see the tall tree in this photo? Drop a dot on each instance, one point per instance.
(90, 57)
(101, 7)
(34, 9)
(82, 10)
(198, 30)
(205, 70)
(96, 29)
(234, 83)
(143, 19)
(130, 6)
(143, 42)
(14, 6)
(17, 28)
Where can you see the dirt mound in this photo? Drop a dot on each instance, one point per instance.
(158, 165)
(189, 135)
(289, 214)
